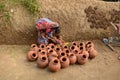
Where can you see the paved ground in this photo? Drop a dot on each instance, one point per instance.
(14, 66)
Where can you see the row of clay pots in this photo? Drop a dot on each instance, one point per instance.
(57, 57)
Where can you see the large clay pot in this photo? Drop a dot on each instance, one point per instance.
(92, 53)
(42, 61)
(72, 57)
(52, 52)
(42, 46)
(64, 60)
(54, 65)
(83, 57)
(34, 47)
(32, 56)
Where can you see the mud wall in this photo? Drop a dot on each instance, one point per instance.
(70, 14)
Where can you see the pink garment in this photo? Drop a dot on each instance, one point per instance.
(118, 28)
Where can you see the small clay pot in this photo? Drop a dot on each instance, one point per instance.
(74, 43)
(42, 61)
(52, 46)
(89, 43)
(52, 52)
(92, 53)
(42, 46)
(62, 53)
(58, 50)
(34, 47)
(72, 48)
(81, 49)
(42, 52)
(54, 65)
(39, 50)
(67, 51)
(64, 60)
(83, 57)
(32, 56)
(81, 44)
(65, 47)
(72, 57)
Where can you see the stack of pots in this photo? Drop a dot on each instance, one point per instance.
(57, 57)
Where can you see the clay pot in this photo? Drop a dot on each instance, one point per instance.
(81, 44)
(72, 57)
(42, 52)
(58, 50)
(62, 53)
(67, 51)
(48, 48)
(64, 60)
(92, 53)
(42, 61)
(65, 47)
(74, 43)
(89, 43)
(54, 65)
(42, 46)
(81, 49)
(83, 57)
(32, 56)
(72, 48)
(39, 50)
(34, 47)
(52, 46)
(52, 52)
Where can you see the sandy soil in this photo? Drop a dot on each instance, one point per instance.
(14, 66)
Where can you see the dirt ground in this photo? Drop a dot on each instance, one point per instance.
(14, 66)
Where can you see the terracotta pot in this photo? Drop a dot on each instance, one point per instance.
(54, 65)
(89, 44)
(81, 49)
(65, 47)
(75, 50)
(39, 50)
(42, 46)
(92, 53)
(67, 51)
(72, 48)
(58, 50)
(32, 56)
(64, 60)
(42, 61)
(34, 47)
(74, 43)
(42, 52)
(52, 52)
(72, 58)
(62, 53)
(81, 44)
(83, 57)
(52, 46)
